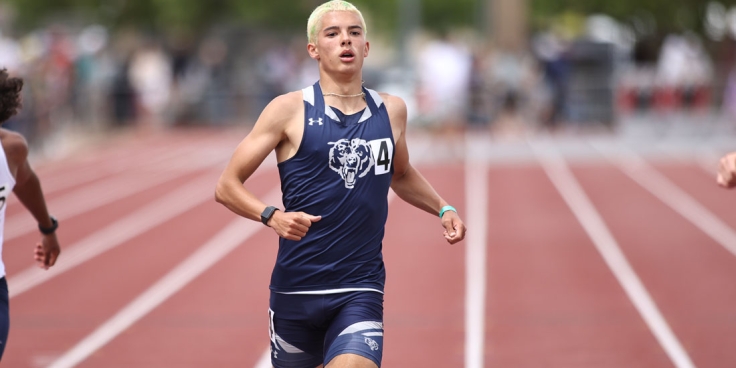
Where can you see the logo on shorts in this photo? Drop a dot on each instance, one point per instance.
(371, 343)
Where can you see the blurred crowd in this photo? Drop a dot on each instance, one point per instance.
(93, 79)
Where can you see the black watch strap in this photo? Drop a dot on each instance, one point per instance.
(51, 229)
(267, 214)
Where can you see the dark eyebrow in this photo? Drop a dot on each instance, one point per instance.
(337, 28)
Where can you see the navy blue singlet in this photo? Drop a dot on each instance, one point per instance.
(342, 172)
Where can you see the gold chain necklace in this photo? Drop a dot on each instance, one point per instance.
(361, 94)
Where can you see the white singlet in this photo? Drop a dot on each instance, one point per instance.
(7, 182)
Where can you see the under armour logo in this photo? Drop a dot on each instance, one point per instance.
(312, 121)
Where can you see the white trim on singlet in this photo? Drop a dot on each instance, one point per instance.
(6, 168)
(366, 115)
(327, 292)
(7, 178)
(378, 101)
(308, 94)
(330, 113)
(376, 97)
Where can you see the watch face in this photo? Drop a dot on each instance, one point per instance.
(267, 213)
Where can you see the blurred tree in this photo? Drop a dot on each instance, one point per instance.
(193, 15)
(291, 15)
(668, 15)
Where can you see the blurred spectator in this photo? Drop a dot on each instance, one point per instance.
(444, 77)
(684, 72)
(93, 70)
(202, 90)
(10, 54)
(276, 68)
(479, 94)
(151, 77)
(122, 96)
(551, 51)
(512, 83)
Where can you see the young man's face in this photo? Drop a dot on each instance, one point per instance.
(341, 45)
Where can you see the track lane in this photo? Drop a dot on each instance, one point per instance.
(41, 328)
(425, 282)
(74, 303)
(552, 300)
(703, 188)
(688, 274)
(18, 252)
(219, 319)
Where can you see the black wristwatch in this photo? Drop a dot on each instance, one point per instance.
(49, 230)
(267, 214)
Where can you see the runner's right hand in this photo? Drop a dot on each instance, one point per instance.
(292, 225)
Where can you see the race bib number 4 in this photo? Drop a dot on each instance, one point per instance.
(383, 153)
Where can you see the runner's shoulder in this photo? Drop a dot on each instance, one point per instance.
(14, 144)
(285, 107)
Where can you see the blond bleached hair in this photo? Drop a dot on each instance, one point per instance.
(334, 5)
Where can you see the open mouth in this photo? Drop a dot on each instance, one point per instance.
(347, 55)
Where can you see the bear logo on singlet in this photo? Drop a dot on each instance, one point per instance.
(352, 159)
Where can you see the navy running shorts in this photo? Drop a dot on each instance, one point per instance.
(4, 315)
(309, 330)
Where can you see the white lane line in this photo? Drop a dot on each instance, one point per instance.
(476, 200)
(102, 168)
(177, 202)
(173, 154)
(86, 199)
(224, 242)
(669, 193)
(708, 161)
(574, 195)
(265, 360)
(98, 195)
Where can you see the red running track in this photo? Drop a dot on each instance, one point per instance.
(551, 299)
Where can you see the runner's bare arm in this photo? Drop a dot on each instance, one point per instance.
(409, 184)
(284, 115)
(28, 190)
(268, 132)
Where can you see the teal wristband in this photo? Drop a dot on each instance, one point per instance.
(445, 209)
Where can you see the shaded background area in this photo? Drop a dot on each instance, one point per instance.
(512, 68)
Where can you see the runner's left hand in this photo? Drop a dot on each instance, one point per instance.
(454, 227)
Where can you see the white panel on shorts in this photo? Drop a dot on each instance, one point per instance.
(362, 326)
(291, 349)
